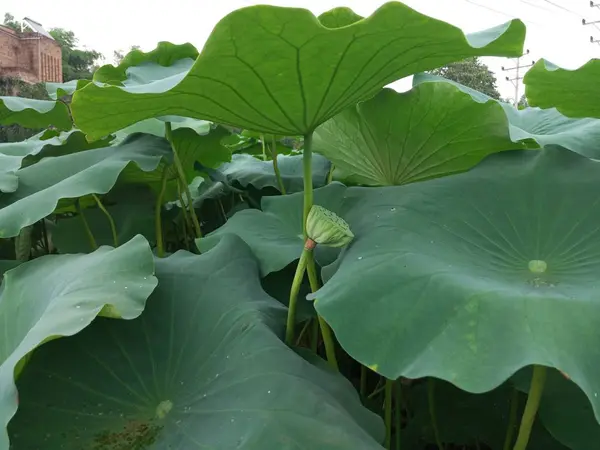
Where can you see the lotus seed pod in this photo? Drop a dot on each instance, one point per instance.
(327, 228)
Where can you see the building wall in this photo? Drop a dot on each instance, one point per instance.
(29, 56)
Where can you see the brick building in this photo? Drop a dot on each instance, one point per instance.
(32, 56)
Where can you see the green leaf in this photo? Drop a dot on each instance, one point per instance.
(203, 367)
(132, 209)
(572, 92)
(282, 71)
(465, 419)
(545, 126)
(248, 170)
(449, 271)
(157, 126)
(55, 296)
(31, 113)
(42, 185)
(59, 90)
(142, 67)
(275, 233)
(565, 411)
(431, 131)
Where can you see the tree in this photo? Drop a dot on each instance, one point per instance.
(523, 103)
(77, 64)
(118, 55)
(472, 73)
(10, 22)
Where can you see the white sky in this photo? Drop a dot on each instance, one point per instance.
(553, 32)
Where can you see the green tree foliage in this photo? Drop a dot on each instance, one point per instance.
(77, 63)
(10, 22)
(118, 55)
(472, 73)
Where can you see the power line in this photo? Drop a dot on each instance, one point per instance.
(518, 76)
(595, 23)
(563, 8)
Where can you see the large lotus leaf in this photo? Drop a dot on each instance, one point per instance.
(399, 138)
(564, 410)
(141, 67)
(203, 367)
(468, 419)
(157, 126)
(572, 92)
(47, 143)
(43, 184)
(284, 71)
(545, 126)
(469, 278)
(275, 233)
(132, 210)
(248, 170)
(59, 295)
(32, 113)
(59, 90)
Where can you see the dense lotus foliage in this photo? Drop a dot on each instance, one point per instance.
(258, 245)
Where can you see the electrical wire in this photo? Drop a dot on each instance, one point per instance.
(563, 8)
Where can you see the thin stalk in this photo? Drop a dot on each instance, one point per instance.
(533, 402)
(512, 419)
(380, 387)
(113, 227)
(86, 226)
(330, 174)
(221, 209)
(432, 414)
(302, 332)
(264, 147)
(45, 235)
(184, 211)
(398, 400)
(181, 174)
(314, 337)
(308, 181)
(324, 326)
(363, 381)
(276, 166)
(296, 283)
(389, 390)
(160, 244)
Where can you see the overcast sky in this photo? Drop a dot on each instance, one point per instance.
(554, 28)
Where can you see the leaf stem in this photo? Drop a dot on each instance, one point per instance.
(113, 227)
(160, 245)
(308, 181)
(186, 217)
(363, 381)
(398, 399)
(264, 147)
(432, 414)
(536, 389)
(181, 173)
(330, 174)
(314, 338)
(276, 166)
(296, 283)
(512, 419)
(86, 225)
(387, 403)
(324, 326)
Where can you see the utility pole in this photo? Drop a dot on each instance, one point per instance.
(518, 75)
(595, 23)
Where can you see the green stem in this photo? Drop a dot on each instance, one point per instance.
(512, 419)
(160, 245)
(389, 390)
(184, 184)
(533, 402)
(314, 338)
(221, 209)
(325, 329)
(186, 218)
(296, 283)
(276, 166)
(264, 147)
(308, 181)
(380, 387)
(363, 381)
(330, 174)
(86, 226)
(113, 227)
(302, 332)
(45, 235)
(398, 398)
(432, 414)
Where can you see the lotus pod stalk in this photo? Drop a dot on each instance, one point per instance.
(323, 227)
